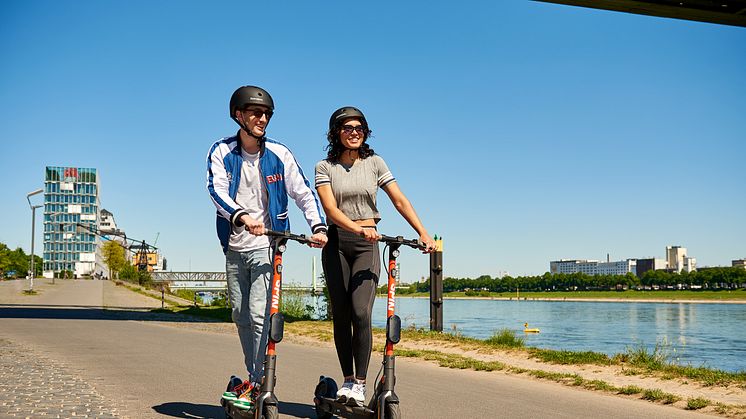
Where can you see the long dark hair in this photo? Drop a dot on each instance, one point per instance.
(335, 148)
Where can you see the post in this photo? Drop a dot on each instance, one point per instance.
(33, 233)
(436, 286)
(32, 274)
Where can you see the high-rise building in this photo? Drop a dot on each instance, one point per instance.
(71, 198)
(678, 260)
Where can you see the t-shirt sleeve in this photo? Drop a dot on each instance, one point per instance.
(322, 174)
(384, 174)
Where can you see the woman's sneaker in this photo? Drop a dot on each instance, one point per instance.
(344, 391)
(357, 395)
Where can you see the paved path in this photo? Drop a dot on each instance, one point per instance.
(81, 358)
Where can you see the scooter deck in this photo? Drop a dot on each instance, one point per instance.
(340, 409)
(234, 412)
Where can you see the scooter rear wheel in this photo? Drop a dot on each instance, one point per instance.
(322, 414)
(270, 412)
(392, 411)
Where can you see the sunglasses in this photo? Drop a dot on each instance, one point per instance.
(348, 129)
(258, 112)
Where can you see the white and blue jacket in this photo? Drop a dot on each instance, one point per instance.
(281, 177)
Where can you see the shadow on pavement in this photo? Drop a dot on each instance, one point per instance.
(298, 410)
(8, 311)
(190, 410)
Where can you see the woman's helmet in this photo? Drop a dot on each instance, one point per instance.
(249, 95)
(344, 113)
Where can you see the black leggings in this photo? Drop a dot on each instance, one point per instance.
(351, 268)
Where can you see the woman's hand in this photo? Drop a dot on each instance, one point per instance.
(369, 234)
(428, 242)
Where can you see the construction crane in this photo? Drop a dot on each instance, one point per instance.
(140, 256)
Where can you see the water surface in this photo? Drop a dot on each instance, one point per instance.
(711, 335)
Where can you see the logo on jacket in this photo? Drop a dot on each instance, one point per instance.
(274, 178)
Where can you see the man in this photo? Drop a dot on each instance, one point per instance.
(249, 178)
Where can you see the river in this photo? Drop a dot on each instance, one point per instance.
(710, 335)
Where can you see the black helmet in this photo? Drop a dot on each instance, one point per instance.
(250, 95)
(346, 112)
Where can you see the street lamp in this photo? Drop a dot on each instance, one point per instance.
(33, 233)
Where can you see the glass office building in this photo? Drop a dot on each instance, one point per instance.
(71, 198)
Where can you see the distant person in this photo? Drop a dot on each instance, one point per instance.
(249, 178)
(347, 182)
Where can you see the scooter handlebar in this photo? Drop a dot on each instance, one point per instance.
(413, 243)
(300, 238)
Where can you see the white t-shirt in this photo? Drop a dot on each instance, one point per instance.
(251, 196)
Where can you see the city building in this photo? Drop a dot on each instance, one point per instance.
(107, 224)
(71, 198)
(621, 267)
(649, 264)
(678, 260)
(592, 267)
(741, 263)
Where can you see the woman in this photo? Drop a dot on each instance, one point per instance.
(347, 182)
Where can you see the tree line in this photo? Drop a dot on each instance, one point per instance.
(16, 263)
(711, 278)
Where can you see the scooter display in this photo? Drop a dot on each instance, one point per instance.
(266, 405)
(384, 403)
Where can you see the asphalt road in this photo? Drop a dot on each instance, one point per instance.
(142, 366)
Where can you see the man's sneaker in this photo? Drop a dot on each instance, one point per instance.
(246, 398)
(235, 388)
(344, 391)
(357, 395)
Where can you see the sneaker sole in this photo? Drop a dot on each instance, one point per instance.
(354, 402)
(243, 404)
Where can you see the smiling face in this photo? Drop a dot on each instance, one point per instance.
(255, 119)
(352, 134)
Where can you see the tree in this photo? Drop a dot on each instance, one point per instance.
(113, 254)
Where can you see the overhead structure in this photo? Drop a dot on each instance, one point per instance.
(724, 12)
(139, 249)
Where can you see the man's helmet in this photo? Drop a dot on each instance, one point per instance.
(344, 113)
(250, 95)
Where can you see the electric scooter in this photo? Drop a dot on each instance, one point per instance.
(384, 404)
(266, 404)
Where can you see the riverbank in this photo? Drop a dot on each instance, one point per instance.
(630, 296)
(626, 375)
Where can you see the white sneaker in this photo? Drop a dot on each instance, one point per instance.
(344, 391)
(357, 395)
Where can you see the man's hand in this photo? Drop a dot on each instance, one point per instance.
(253, 226)
(320, 240)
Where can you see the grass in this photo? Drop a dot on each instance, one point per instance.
(506, 338)
(658, 395)
(657, 360)
(697, 403)
(629, 390)
(30, 292)
(569, 357)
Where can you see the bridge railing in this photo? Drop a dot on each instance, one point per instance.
(209, 281)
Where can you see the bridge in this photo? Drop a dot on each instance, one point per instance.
(214, 281)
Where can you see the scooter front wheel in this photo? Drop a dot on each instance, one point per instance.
(392, 411)
(271, 412)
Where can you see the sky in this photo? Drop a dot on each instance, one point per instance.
(521, 131)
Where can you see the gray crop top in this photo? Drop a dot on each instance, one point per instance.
(355, 187)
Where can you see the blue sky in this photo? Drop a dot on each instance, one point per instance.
(522, 132)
